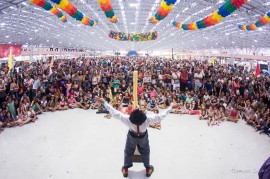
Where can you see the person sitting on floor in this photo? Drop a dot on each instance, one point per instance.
(152, 105)
(233, 116)
(211, 116)
(158, 124)
(63, 104)
(203, 115)
(72, 103)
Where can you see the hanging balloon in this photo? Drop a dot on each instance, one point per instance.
(106, 6)
(69, 8)
(218, 15)
(133, 37)
(264, 20)
(49, 7)
(163, 11)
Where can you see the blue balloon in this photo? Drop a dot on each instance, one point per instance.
(169, 2)
(91, 22)
(79, 17)
(56, 1)
(223, 12)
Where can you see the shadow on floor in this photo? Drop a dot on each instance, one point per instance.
(136, 174)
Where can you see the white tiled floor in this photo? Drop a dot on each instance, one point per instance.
(78, 144)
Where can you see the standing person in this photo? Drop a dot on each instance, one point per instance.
(167, 79)
(137, 122)
(14, 87)
(2, 91)
(183, 80)
(198, 80)
(116, 83)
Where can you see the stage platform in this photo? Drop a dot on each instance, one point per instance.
(79, 144)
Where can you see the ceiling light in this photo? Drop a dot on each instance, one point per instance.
(7, 36)
(133, 4)
(24, 3)
(2, 24)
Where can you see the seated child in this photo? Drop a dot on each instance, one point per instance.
(23, 116)
(95, 104)
(129, 109)
(156, 125)
(233, 116)
(203, 115)
(52, 105)
(211, 116)
(220, 115)
(161, 102)
(72, 103)
(152, 104)
(250, 119)
(79, 101)
(43, 104)
(182, 108)
(266, 127)
(63, 104)
(194, 109)
(86, 102)
(2, 121)
(31, 114)
(36, 107)
(10, 121)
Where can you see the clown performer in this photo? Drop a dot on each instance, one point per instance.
(137, 122)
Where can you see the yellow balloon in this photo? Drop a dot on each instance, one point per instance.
(163, 4)
(216, 16)
(83, 19)
(63, 4)
(194, 26)
(267, 18)
(53, 9)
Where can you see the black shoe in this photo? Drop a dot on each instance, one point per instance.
(125, 172)
(149, 171)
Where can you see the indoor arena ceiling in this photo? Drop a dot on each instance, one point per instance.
(21, 22)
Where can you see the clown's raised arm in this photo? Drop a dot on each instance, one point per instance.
(125, 118)
(117, 114)
(155, 118)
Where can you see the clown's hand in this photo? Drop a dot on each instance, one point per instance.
(98, 99)
(174, 105)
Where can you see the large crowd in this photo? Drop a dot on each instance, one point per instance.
(214, 92)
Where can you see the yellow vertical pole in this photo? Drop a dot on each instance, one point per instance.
(135, 89)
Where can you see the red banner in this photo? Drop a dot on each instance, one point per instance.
(5, 48)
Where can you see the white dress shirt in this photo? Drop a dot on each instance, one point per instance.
(154, 118)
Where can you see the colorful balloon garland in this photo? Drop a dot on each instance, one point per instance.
(254, 26)
(218, 15)
(163, 11)
(132, 37)
(49, 7)
(68, 7)
(106, 6)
